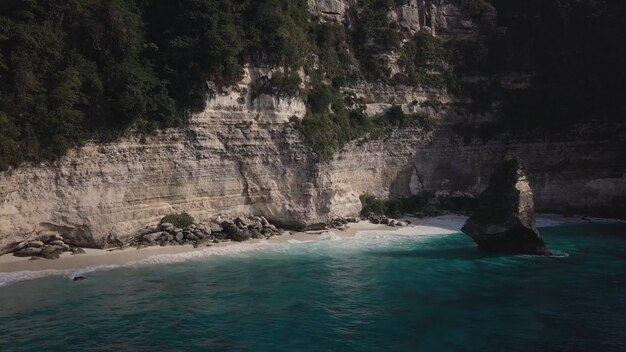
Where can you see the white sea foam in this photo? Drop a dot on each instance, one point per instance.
(362, 239)
(426, 228)
(299, 241)
(18, 276)
(230, 250)
(330, 236)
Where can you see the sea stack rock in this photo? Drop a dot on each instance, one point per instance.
(505, 219)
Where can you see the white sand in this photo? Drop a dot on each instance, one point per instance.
(98, 258)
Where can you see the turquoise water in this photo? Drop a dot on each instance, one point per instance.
(372, 293)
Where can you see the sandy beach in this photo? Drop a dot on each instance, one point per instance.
(94, 258)
(118, 257)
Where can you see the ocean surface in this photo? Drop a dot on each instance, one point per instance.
(375, 292)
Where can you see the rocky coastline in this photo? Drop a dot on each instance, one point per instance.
(46, 246)
(201, 234)
(51, 245)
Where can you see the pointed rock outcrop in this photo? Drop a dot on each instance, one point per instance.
(505, 220)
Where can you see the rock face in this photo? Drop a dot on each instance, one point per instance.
(243, 157)
(329, 10)
(49, 246)
(438, 17)
(505, 220)
(204, 234)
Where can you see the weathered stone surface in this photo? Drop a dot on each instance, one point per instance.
(240, 235)
(255, 233)
(330, 10)
(77, 250)
(52, 252)
(242, 159)
(151, 237)
(216, 227)
(56, 243)
(166, 226)
(28, 251)
(505, 219)
(191, 237)
(203, 243)
(38, 244)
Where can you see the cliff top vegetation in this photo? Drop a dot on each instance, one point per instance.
(72, 70)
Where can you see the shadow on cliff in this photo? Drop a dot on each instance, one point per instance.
(448, 164)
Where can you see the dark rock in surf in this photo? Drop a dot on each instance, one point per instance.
(505, 221)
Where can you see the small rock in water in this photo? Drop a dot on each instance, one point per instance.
(78, 278)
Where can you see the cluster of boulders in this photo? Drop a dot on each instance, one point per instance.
(46, 246)
(340, 223)
(205, 233)
(383, 220)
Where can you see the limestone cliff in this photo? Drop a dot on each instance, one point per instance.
(243, 156)
(439, 17)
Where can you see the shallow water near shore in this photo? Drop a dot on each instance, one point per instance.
(377, 291)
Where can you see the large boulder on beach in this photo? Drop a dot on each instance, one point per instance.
(234, 233)
(505, 220)
(28, 251)
(52, 252)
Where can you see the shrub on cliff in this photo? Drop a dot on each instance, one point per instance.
(331, 124)
(388, 206)
(425, 62)
(181, 220)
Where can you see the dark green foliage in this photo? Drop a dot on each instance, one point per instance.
(181, 220)
(371, 204)
(335, 57)
(425, 61)
(280, 84)
(424, 204)
(395, 117)
(331, 123)
(193, 41)
(373, 36)
(381, 206)
(9, 137)
(573, 52)
(71, 70)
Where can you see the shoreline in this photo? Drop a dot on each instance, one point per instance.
(120, 257)
(94, 259)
